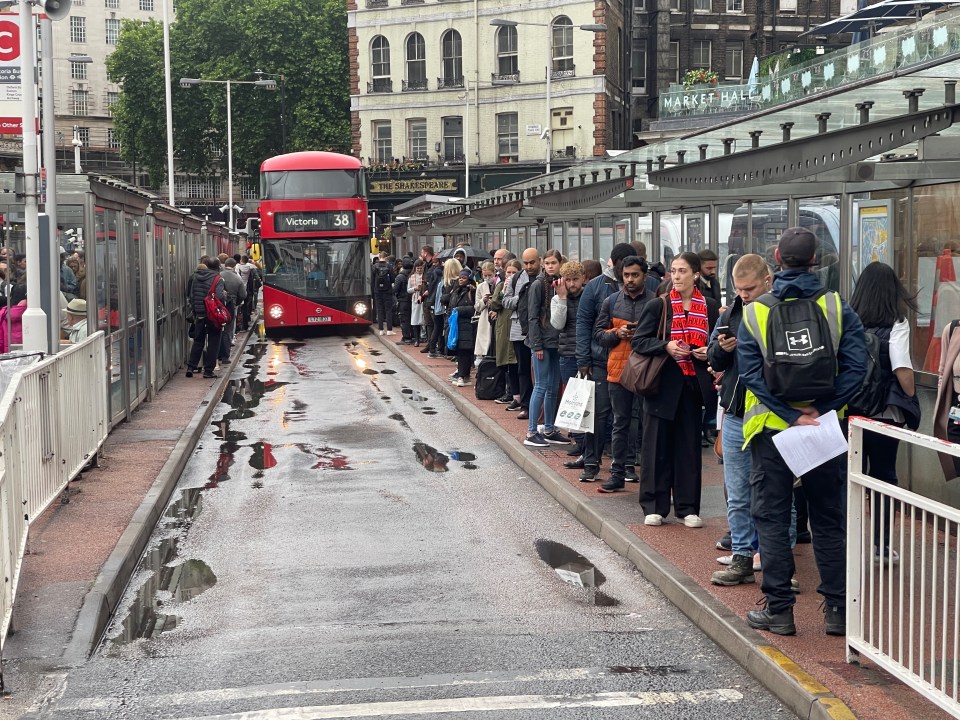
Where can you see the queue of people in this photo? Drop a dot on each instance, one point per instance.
(719, 370)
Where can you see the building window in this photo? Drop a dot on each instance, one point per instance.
(416, 63)
(417, 139)
(507, 61)
(111, 4)
(112, 98)
(78, 29)
(640, 67)
(146, 5)
(249, 189)
(735, 6)
(78, 71)
(113, 30)
(380, 65)
(80, 102)
(673, 62)
(675, 5)
(197, 188)
(452, 48)
(508, 136)
(700, 54)
(382, 141)
(734, 62)
(702, 5)
(788, 6)
(83, 133)
(562, 45)
(113, 139)
(452, 145)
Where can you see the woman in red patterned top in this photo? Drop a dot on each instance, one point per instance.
(679, 325)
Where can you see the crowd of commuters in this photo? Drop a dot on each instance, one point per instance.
(544, 320)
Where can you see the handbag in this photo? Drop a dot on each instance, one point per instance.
(577, 405)
(641, 373)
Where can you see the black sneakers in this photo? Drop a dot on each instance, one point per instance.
(513, 406)
(835, 620)
(777, 623)
(505, 400)
(589, 473)
(611, 486)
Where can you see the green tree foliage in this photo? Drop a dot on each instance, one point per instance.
(221, 39)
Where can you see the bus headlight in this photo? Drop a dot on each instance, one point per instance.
(276, 312)
(360, 308)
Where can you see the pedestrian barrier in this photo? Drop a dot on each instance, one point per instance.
(53, 420)
(903, 606)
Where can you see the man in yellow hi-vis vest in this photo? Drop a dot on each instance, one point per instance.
(837, 357)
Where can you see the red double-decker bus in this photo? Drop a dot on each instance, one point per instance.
(315, 240)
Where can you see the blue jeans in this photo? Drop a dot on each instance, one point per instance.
(546, 381)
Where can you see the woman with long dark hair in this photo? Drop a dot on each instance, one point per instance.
(678, 325)
(882, 303)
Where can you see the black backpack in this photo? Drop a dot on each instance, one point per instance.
(491, 380)
(382, 277)
(800, 362)
(871, 398)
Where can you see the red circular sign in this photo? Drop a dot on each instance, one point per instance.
(9, 41)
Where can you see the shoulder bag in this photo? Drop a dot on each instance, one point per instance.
(641, 374)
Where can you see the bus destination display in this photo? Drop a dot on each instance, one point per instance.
(314, 221)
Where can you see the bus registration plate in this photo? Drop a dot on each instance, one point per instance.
(321, 319)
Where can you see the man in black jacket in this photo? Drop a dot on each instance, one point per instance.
(205, 332)
(402, 298)
(383, 293)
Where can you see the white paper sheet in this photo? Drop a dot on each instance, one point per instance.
(805, 447)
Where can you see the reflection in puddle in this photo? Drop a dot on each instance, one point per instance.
(389, 372)
(370, 371)
(430, 412)
(469, 466)
(575, 569)
(431, 458)
(406, 391)
(462, 456)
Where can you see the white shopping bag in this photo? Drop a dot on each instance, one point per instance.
(576, 406)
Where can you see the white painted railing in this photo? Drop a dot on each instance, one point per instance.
(53, 420)
(904, 615)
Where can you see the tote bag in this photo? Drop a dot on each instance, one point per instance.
(641, 373)
(453, 329)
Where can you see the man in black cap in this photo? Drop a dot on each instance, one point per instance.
(827, 364)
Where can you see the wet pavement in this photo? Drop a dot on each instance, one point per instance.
(343, 543)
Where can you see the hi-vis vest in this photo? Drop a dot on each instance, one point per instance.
(757, 416)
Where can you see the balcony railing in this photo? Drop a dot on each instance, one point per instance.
(513, 77)
(444, 83)
(565, 73)
(411, 85)
(380, 85)
(936, 36)
(376, 3)
(411, 2)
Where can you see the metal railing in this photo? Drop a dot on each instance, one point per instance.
(53, 420)
(380, 85)
(418, 84)
(444, 83)
(903, 597)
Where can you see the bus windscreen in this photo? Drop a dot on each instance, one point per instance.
(319, 269)
(311, 184)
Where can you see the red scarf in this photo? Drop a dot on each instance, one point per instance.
(691, 326)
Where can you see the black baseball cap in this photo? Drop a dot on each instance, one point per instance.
(797, 247)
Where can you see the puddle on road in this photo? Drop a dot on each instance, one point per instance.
(400, 419)
(574, 569)
(150, 613)
(429, 412)
(370, 371)
(406, 391)
(431, 458)
(469, 466)
(389, 372)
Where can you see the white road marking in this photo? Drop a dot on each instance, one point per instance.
(485, 704)
(307, 687)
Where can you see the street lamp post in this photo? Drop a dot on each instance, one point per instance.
(594, 28)
(191, 82)
(283, 104)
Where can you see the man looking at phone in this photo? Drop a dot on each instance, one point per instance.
(614, 330)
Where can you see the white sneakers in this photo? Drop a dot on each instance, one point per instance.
(693, 521)
(391, 332)
(381, 332)
(653, 519)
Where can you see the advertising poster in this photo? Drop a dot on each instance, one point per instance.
(874, 222)
(10, 108)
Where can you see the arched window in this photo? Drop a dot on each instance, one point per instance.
(416, 63)
(452, 47)
(507, 65)
(380, 65)
(562, 47)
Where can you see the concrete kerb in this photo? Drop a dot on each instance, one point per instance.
(100, 603)
(797, 690)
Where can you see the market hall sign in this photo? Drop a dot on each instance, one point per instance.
(293, 222)
(414, 186)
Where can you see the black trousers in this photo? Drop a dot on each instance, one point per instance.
(881, 463)
(427, 321)
(670, 458)
(623, 444)
(771, 499)
(383, 303)
(206, 335)
(596, 441)
(524, 370)
(435, 343)
(403, 311)
(464, 363)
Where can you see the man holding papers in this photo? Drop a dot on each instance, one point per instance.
(802, 354)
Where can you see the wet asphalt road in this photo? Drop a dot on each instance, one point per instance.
(344, 544)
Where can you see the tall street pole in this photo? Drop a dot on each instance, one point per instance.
(48, 122)
(547, 132)
(167, 92)
(34, 319)
(230, 158)
(466, 137)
